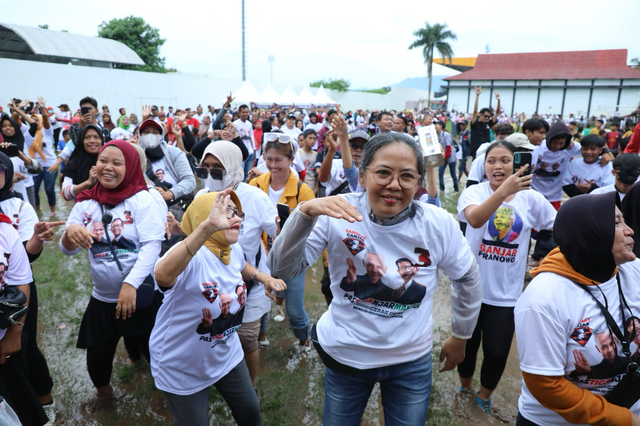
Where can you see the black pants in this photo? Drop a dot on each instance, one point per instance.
(495, 330)
(100, 358)
(38, 369)
(521, 421)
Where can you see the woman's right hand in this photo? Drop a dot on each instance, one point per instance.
(79, 236)
(218, 214)
(93, 176)
(516, 182)
(335, 206)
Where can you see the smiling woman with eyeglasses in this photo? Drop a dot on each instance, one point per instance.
(384, 251)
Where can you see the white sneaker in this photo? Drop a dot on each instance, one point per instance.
(278, 313)
(50, 411)
(263, 343)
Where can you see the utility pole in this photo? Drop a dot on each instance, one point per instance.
(244, 60)
(271, 59)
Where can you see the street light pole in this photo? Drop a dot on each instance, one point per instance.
(271, 59)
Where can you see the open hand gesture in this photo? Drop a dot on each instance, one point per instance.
(23, 104)
(207, 319)
(176, 129)
(497, 96)
(146, 111)
(339, 125)
(351, 271)
(181, 116)
(230, 99)
(478, 90)
(42, 103)
(581, 363)
(218, 214)
(334, 206)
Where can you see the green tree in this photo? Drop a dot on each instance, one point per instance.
(141, 37)
(341, 85)
(44, 27)
(430, 38)
(636, 63)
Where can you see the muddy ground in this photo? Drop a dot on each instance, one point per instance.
(290, 387)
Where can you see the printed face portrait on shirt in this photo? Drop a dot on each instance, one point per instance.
(607, 345)
(160, 174)
(98, 230)
(225, 304)
(3, 268)
(117, 227)
(241, 291)
(406, 270)
(505, 225)
(374, 263)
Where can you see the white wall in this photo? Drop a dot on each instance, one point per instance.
(604, 100)
(131, 89)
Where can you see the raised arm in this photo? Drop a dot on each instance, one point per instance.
(42, 105)
(495, 115)
(327, 162)
(475, 105)
(18, 109)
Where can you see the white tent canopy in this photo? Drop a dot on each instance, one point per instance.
(247, 93)
(268, 96)
(288, 97)
(322, 98)
(305, 97)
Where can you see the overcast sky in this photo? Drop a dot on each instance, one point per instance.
(363, 42)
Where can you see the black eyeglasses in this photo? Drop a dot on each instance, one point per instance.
(355, 145)
(217, 174)
(487, 116)
(232, 212)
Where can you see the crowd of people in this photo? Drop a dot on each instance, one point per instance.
(199, 227)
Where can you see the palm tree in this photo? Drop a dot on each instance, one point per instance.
(433, 37)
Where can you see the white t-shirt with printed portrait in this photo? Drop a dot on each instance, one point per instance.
(561, 331)
(579, 171)
(187, 357)
(245, 131)
(135, 221)
(501, 245)
(549, 170)
(23, 216)
(370, 324)
(160, 169)
(14, 262)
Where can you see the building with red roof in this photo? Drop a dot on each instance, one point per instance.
(591, 82)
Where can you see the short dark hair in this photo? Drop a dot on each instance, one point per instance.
(313, 114)
(382, 114)
(404, 120)
(503, 129)
(331, 111)
(534, 124)
(402, 259)
(573, 123)
(615, 124)
(65, 132)
(483, 110)
(89, 100)
(592, 140)
(600, 120)
(309, 132)
(243, 106)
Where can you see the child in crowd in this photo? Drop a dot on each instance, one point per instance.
(552, 160)
(613, 137)
(626, 169)
(307, 140)
(585, 174)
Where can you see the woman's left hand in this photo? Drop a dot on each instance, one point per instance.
(273, 284)
(452, 353)
(126, 301)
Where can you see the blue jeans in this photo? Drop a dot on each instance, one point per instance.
(294, 298)
(405, 390)
(452, 171)
(248, 165)
(49, 186)
(263, 323)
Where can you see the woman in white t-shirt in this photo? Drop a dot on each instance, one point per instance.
(216, 169)
(42, 148)
(384, 251)
(195, 343)
(501, 213)
(573, 360)
(118, 222)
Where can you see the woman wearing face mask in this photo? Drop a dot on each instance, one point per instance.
(283, 187)
(384, 252)
(501, 214)
(194, 342)
(178, 180)
(571, 356)
(80, 171)
(114, 215)
(221, 168)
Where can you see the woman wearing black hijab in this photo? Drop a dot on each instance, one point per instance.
(79, 173)
(570, 355)
(631, 212)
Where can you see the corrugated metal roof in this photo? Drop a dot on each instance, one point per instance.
(73, 46)
(588, 64)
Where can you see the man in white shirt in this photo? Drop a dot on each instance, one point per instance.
(245, 131)
(313, 123)
(199, 115)
(290, 128)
